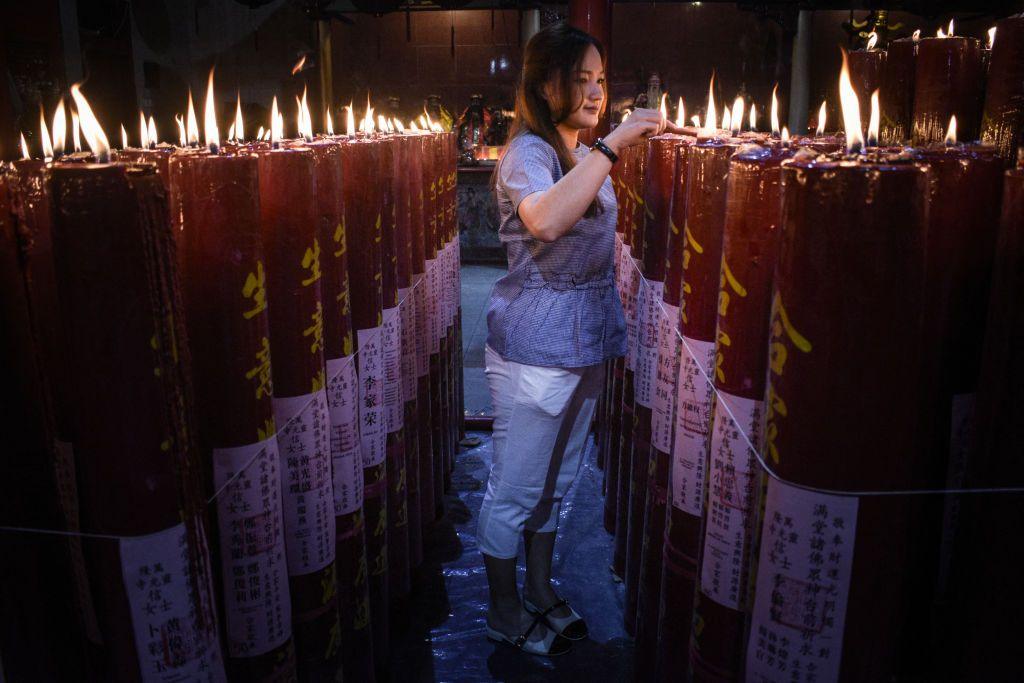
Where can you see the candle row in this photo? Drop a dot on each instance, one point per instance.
(272, 328)
(773, 293)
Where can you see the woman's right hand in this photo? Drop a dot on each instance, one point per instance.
(638, 126)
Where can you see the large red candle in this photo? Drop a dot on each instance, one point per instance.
(989, 590)
(216, 210)
(421, 305)
(749, 246)
(394, 405)
(668, 372)
(343, 405)
(661, 160)
(288, 223)
(896, 94)
(630, 267)
(404, 149)
(831, 573)
(948, 80)
(1003, 120)
(37, 596)
(866, 67)
(707, 173)
(131, 405)
(364, 201)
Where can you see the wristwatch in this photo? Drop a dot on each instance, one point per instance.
(604, 149)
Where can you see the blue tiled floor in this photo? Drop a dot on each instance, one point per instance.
(444, 637)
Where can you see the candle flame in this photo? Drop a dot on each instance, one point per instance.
(152, 133)
(873, 121)
(60, 128)
(366, 125)
(276, 123)
(430, 122)
(695, 120)
(382, 123)
(945, 34)
(951, 131)
(872, 40)
(710, 115)
(991, 37)
(259, 133)
(143, 131)
(822, 118)
(784, 136)
(775, 110)
(916, 35)
(76, 127)
(436, 127)
(191, 124)
(239, 122)
(423, 123)
(24, 148)
(211, 134)
(399, 125)
(625, 115)
(664, 106)
(680, 113)
(124, 137)
(950, 28)
(737, 115)
(753, 116)
(851, 110)
(231, 131)
(726, 119)
(91, 128)
(329, 122)
(414, 127)
(266, 135)
(44, 137)
(298, 65)
(391, 126)
(182, 137)
(305, 120)
(350, 121)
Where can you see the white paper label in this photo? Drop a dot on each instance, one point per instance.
(407, 320)
(254, 569)
(372, 434)
(663, 410)
(393, 401)
(733, 478)
(693, 417)
(170, 639)
(67, 491)
(346, 458)
(433, 308)
(631, 310)
(422, 326)
(647, 341)
(449, 286)
(803, 582)
(304, 442)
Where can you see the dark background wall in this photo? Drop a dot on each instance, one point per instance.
(147, 53)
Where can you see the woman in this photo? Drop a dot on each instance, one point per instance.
(552, 322)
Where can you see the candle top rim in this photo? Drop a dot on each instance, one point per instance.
(873, 160)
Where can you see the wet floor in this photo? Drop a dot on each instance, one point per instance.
(443, 638)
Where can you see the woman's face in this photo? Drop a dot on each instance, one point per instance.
(588, 92)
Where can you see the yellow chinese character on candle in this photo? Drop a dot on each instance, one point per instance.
(316, 330)
(255, 289)
(311, 262)
(261, 372)
(781, 330)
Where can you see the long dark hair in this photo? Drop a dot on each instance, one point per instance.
(553, 55)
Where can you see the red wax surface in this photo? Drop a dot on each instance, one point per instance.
(848, 303)
(948, 80)
(896, 95)
(749, 248)
(128, 381)
(866, 68)
(1003, 119)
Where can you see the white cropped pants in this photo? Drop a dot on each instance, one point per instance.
(542, 418)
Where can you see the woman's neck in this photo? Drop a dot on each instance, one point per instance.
(570, 136)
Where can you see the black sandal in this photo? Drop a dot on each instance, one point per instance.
(551, 645)
(571, 627)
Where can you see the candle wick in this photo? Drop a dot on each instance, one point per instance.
(103, 158)
(213, 148)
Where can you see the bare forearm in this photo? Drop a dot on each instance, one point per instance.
(550, 214)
